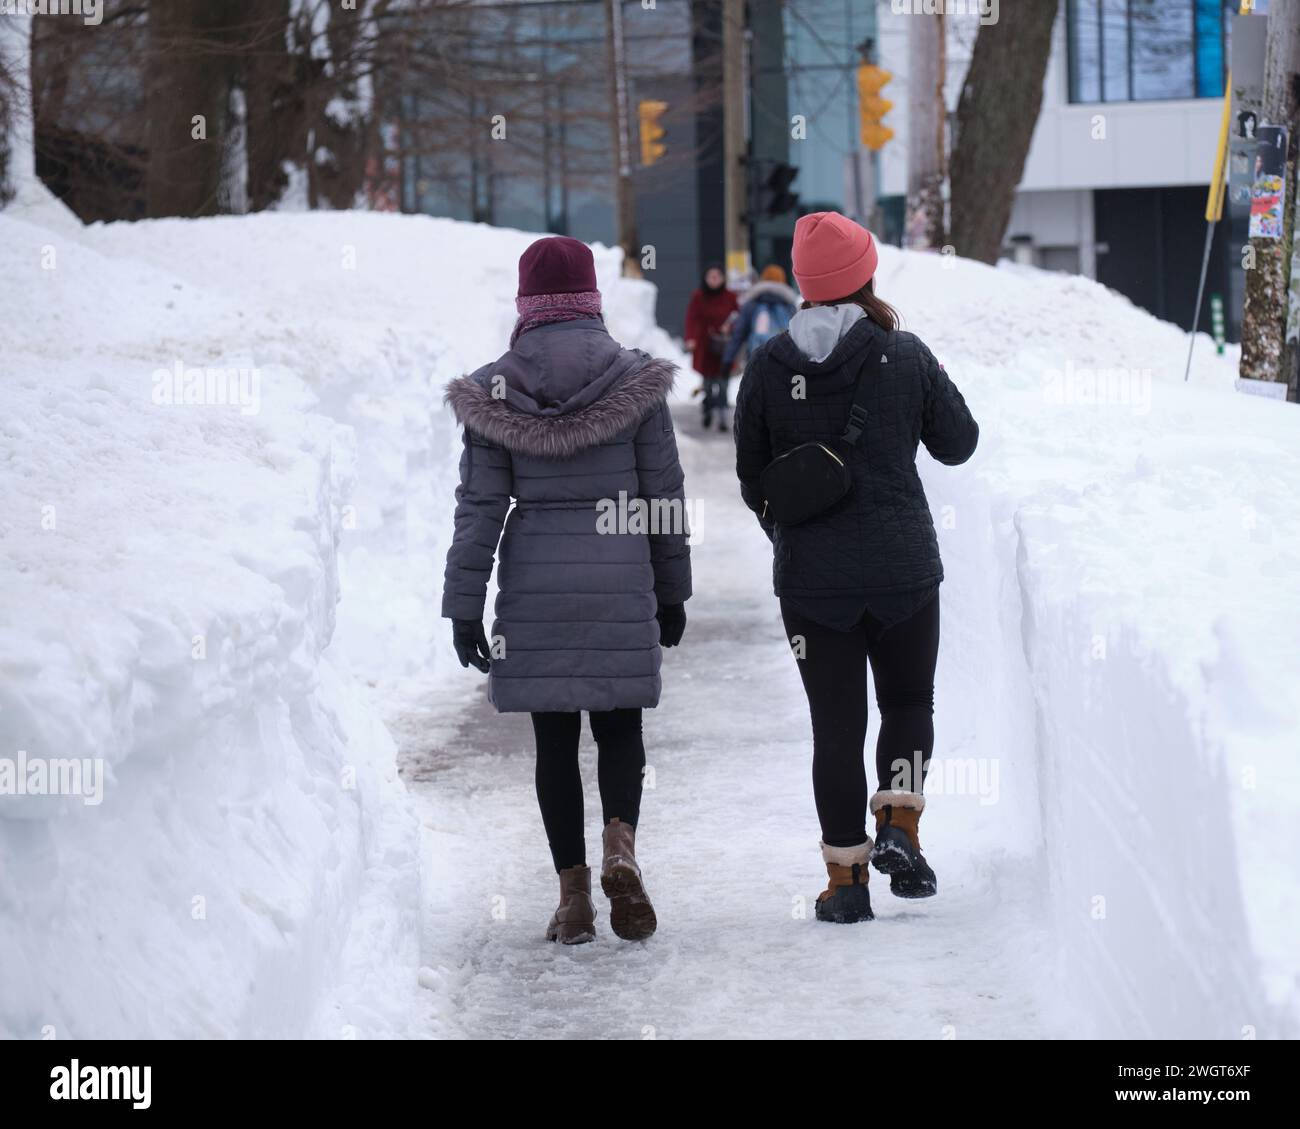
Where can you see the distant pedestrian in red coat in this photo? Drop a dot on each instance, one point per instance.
(710, 309)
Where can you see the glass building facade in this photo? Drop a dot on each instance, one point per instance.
(823, 38)
(1148, 50)
(804, 109)
(534, 71)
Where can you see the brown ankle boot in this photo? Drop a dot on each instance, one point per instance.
(845, 899)
(574, 920)
(898, 844)
(631, 915)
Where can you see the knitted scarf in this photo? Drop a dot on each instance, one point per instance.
(543, 309)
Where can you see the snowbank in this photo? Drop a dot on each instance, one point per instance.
(170, 581)
(1122, 552)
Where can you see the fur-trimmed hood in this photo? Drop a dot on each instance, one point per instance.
(771, 291)
(561, 389)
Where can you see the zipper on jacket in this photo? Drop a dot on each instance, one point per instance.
(823, 446)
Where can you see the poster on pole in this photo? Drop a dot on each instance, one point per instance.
(1249, 48)
(1293, 303)
(1268, 191)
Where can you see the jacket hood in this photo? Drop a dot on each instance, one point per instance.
(562, 388)
(824, 334)
(772, 291)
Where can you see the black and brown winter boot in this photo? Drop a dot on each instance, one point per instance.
(845, 899)
(631, 915)
(574, 920)
(898, 844)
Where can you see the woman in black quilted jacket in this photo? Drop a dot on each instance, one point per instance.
(859, 582)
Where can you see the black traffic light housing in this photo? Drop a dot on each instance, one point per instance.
(778, 200)
(769, 189)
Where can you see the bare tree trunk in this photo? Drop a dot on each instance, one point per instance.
(926, 132)
(187, 90)
(60, 40)
(276, 112)
(7, 102)
(17, 152)
(339, 105)
(1263, 324)
(999, 106)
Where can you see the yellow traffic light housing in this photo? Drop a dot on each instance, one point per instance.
(872, 107)
(649, 111)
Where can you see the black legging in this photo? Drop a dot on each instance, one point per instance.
(834, 672)
(620, 763)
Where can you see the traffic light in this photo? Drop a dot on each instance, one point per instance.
(778, 200)
(649, 111)
(873, 108)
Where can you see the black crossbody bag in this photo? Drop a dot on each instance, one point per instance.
(811, 478)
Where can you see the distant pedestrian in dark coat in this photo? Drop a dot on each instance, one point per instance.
(707, 316)
(765, 312)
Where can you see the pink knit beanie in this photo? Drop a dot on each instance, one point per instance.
(833, 256)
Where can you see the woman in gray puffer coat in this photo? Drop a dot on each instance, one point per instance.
(594, 566)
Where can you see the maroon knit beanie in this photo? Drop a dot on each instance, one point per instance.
(556, 265)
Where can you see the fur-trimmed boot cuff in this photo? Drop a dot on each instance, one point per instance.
(892, 797)
(845, 898)
(847, 856)
(899, 809)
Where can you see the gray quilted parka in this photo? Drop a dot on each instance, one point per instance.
(564, 424)
(880, 538)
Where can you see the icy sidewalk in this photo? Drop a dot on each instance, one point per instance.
(729, 844)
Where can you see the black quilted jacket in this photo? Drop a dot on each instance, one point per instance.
(880, 538)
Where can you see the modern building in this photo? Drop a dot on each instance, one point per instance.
(1117, 177)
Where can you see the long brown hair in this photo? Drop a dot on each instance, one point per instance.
(878, 310)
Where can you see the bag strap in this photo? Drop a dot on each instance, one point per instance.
(858, 411)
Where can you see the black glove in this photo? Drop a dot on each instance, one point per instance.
(471, 643)
(672, 623)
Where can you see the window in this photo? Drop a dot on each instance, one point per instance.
(1116, 44)
(1065, 259)
(1146, 50)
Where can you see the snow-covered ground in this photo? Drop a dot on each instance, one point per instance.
(222, 605)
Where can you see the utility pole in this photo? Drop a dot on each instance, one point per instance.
(735, 143)
(625, 200)
(1264, 318)
(927, 116)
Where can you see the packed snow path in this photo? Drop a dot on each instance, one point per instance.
(728, 843)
